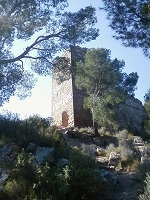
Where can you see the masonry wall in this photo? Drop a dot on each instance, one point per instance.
(62, 100)
(67, 100)
(82, 117)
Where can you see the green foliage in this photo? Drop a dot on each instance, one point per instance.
(76, 180)
(34, 129)
(122, 134)
(79, 160)
(28, 180)
(85, 130)
(146, 193)
(88, 149)
(129, 164)
(86, 184)
(131, 22)
(105, 85)
(54, 30)
(110, 148)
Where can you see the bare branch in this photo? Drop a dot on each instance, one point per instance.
(31, 47)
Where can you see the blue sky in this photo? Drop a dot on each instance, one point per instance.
(135, 61)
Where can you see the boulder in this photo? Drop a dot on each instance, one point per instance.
(138, 141)
(31, 147)
(131, 115)
(113, 158)
(72, 134)
(62, 162)
(8, 153)
(44, 154)
(4, 174)
(130, 184)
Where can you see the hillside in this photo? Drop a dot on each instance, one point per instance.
(42, 162)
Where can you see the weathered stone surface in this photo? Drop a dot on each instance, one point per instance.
(131, 115)
(138, 141)
(87, 138)
(105, 140)
(108, 176)
(31, 147)
(71, 133)
(67, 100)
(8, 153)
(102, 160)
(62, 162)
(44, 154)
(113, 158)
(130, 184)
(4, 174)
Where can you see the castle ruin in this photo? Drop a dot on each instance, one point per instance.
(67, 100)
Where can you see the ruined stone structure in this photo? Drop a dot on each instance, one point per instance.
(67, 100)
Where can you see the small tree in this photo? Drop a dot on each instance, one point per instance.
(54, 29)
(105, 84)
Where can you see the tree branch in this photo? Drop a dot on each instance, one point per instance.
(28, 49)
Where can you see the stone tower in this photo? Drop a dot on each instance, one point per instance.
(67, 100)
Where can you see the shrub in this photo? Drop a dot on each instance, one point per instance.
(146, 192)
(88, 129)
(109, 149)
(88, 149)
(78, 160)
(144, 168)
(86, 184)
(129, 164)
(122, 134)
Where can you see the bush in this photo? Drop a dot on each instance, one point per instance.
(88, 149)
(34, 129)
(144, 168)
(122, 134)
(88, 129)
(146, 192)
(76, 180)
(109, 149)
(87, 184)
(78, 160)
(129, 164)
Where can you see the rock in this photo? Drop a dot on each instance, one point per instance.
(113, 158)
(111, 180)
(4, 174)
(87, 138)
(8, 153)
(105, 140)
(135, 177)
(62, 162)
(31, 147)
(44, 154)
(130, 183)
(131, 115)
(102, 160)
(138, 141)
(71, 133)
(124, 196)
